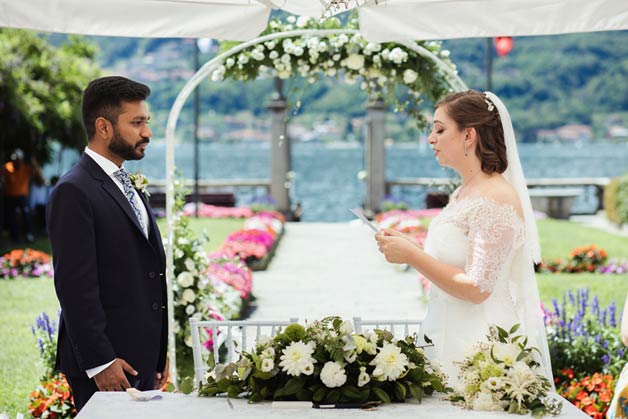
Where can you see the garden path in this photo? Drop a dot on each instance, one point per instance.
(323, 269)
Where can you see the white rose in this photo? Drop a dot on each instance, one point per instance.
(410, 76)
(484, 401)
(189, 310)
(355, 61)
(229, 62)
(189, 296)
(189, 264)
(363, 378)
(243, 59)
(185, 279)
(346, 328)
(267, 365)
(298, 51)
(333, 375)
(302, 21)
(273, 55)
(270, 44)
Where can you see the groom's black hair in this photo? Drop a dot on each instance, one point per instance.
(103, 97)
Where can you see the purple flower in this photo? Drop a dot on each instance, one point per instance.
(605, 359)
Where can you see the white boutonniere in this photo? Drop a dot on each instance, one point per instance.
(140, 182)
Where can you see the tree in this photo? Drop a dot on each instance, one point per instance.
(40, 91)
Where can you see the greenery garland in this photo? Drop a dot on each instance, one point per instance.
(382, 68)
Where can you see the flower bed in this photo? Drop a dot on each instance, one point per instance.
(585, 259)
(328, 363)
(25, 263)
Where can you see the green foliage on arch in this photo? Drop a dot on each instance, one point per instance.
(389, 71)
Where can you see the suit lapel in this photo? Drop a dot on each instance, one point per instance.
(112, 189)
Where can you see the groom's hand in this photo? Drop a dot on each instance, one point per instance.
(112, 378)
(162, 377)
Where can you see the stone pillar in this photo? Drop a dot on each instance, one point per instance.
(280, 160)
(375, 156)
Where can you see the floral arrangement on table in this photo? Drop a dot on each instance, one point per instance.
(583, 337)
(501, 375)
(25, 263)
(592, 394)
(382, 67)
(327, 362)
(588, 258)
(53, 398)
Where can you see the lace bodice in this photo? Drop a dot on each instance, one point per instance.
(493, 230)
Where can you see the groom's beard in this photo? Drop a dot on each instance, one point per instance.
(125, 149)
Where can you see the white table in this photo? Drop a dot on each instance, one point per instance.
(120, 406)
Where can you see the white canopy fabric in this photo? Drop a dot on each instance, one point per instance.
(380, 20)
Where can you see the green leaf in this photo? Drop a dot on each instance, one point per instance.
(400, 391)
(334, 396)
(514, 328)
(351, 393)
(319, 395)
(187, 385)
(381, 394)
(293, 386)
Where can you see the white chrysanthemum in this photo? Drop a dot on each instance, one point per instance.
(267, 365)
(390, 362)
(333, 374)
(189, 295)
(185, 279)
(296, 358)
(410, 76)
(363, 378)
(506, 352)
(484, 401)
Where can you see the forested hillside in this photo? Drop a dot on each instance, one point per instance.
(546, 81)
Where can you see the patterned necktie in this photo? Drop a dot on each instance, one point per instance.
(123, 176)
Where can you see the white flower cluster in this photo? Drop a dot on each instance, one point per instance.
(502, 374)
(381, 66)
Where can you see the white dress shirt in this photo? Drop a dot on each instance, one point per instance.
(109, 168)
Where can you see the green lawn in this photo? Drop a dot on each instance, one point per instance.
(22, 300)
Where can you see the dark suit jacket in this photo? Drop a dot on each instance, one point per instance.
(109, 278)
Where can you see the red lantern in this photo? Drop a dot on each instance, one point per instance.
(503, 45)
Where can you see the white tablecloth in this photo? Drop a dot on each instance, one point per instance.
(119, 405)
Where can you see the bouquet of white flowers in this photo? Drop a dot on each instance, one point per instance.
(328, 363)
(500, 375)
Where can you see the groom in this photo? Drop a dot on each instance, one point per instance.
(109, 261)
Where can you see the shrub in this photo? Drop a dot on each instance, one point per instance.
(622, 200)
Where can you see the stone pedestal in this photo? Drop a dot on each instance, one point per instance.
(375, 156)
(280, 155)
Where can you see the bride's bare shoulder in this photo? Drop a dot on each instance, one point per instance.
(498, 189)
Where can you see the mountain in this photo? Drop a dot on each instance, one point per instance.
(546, 81)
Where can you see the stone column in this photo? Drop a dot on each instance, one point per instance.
(280, 157)
(375, 156)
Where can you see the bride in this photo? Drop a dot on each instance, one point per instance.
(480, 250)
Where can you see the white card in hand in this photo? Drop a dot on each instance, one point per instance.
(358, 213)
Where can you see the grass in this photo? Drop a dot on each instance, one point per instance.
(22, 300)
(21, 367)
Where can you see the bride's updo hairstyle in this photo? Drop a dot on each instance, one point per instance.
(472, 109)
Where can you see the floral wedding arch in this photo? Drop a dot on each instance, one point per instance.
(311, 48)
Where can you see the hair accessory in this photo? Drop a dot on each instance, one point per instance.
(490, 105)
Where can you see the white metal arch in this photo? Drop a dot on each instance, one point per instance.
(454, 80)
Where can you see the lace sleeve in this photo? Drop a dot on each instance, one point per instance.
(494, 230)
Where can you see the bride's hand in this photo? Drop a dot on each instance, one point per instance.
(395, 246)
(410, 238)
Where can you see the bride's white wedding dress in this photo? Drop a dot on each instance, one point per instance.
(484, 238)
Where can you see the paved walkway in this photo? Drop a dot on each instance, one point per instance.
(323, 269)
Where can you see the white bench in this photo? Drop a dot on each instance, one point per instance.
(555, 202)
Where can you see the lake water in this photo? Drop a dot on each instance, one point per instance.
(327, 181)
